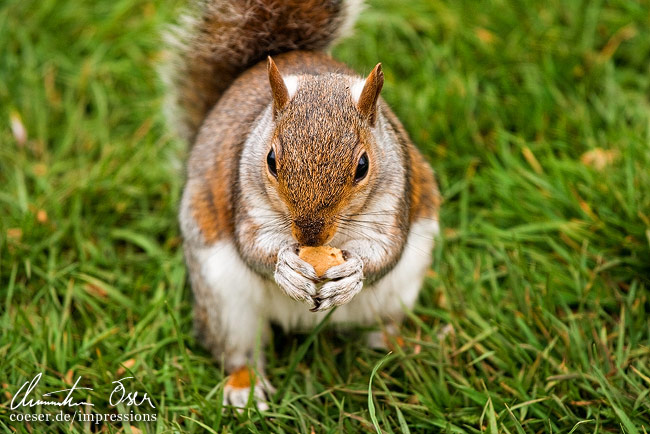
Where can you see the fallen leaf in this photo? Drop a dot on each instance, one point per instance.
(485, 36)
(440, 300)
(532, 161)
(41, 216)
(17, 127)
(124, 366)
(623, 34)
(95, 290)
(14, 234)
(599, 158)
(417, 348)
(583, 403)
(39, 169)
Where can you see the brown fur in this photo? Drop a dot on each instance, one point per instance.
(229, 37)
(226, 90)
(278, 88)
(425, 198)
(242, 378)
(223, 137)
(315, 197)
(212, 206)
(367, 104)
(317, 160)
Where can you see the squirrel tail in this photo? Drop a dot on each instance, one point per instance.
(222, 38)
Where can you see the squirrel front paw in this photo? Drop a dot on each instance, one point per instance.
(344, 282)
(296, 277)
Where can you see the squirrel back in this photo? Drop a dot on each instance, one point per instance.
(220, 39)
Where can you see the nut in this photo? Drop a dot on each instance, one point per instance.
(321, 258)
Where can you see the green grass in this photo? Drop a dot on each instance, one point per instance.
(535, 317)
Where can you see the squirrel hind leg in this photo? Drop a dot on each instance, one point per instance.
(239, 386)
(229, 319)
(386, 338)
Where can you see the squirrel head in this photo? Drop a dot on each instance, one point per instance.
(323, 158)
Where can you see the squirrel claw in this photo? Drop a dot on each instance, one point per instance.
(343, 282)
(316, 302)
(338, 292)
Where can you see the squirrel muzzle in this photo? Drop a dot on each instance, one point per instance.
(312, 231)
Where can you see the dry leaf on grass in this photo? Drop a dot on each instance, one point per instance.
(599, 158)
(124, 366)
(17, 128)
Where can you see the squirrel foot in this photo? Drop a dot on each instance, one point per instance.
(385, 339)
(238, 388)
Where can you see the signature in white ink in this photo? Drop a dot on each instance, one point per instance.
(26, 401)
(119, 395)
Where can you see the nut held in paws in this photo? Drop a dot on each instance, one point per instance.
(321, 258)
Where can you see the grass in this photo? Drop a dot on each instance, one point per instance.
(535, 316)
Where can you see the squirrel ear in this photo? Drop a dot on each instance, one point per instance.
(278, 87)
(367, 103)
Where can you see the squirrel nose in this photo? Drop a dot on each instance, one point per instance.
(311, 232)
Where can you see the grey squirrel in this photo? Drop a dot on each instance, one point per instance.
(287, 151)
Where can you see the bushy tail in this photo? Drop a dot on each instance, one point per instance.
(221, 39)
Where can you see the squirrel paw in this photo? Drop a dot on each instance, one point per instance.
(238, 388)
(345, 281)
(296, 277)
(385, 339)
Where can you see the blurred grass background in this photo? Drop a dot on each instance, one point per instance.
(534, 318)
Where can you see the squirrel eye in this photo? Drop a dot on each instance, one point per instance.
(362, 168)
(270, 161)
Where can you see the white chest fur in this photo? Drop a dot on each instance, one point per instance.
(246, 298)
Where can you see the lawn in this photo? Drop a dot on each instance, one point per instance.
(535, 316)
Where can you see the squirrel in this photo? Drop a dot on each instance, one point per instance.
(291, 148)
